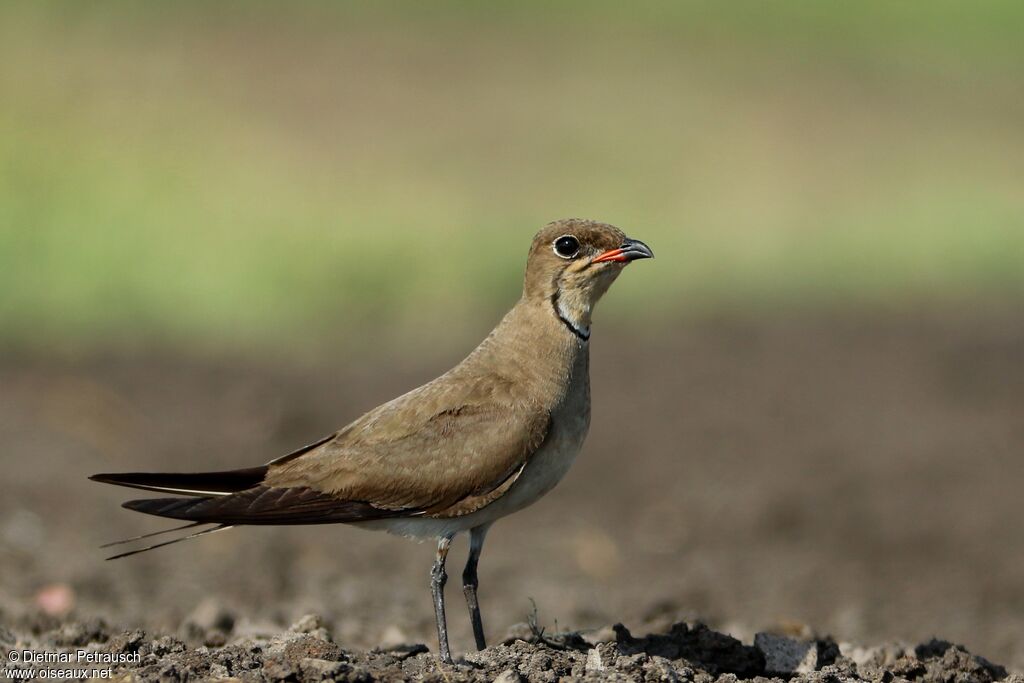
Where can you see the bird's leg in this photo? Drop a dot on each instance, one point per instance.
(438, 577)
(470, 582)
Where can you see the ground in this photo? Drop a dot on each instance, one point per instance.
(307, 652)
(859, 474)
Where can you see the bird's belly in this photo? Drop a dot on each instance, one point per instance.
(545, 469)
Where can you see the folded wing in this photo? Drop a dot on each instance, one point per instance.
(442, 450)
(429, 452)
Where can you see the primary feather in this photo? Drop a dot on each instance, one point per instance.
(188, 484)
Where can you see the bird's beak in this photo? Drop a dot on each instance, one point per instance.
(631, 250)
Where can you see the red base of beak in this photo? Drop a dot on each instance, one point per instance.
(612, 255)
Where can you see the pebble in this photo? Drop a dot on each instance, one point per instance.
(784, 655)
(508, 676)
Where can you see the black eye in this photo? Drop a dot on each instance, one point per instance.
(567, 246)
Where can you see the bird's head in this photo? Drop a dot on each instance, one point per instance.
(573, 262)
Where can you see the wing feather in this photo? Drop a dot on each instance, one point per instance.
(429, 450)
(262, 505)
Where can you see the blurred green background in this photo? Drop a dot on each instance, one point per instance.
(283, 176)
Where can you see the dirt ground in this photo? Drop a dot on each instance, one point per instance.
(306, 652)
(861, 475)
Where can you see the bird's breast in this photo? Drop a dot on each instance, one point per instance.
(570, 421)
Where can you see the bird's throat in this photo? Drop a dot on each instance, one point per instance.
(576, 318)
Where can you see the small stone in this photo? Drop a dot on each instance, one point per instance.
(126, 642)
(660, 669)
(277, 670)
(631, 663)
(314, 625)
(238, 658)
(594, 663)
(166, 645)
(309, 646)
(541, 661)
(686, 673)
(218, 671)
(508, 676)
(321, 669)
(307, 624)
(784, 655)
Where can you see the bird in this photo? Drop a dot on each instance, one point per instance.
(484, 440)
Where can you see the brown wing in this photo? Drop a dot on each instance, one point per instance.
(261, 505)
(440, 449)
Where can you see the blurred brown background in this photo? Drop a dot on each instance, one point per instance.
(227, 230)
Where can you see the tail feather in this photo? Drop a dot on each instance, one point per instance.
(188, 484)
(219, 527)
(151, 535)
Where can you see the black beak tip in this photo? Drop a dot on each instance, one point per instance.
(635, 249)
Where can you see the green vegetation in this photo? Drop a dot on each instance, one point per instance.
(225, 175)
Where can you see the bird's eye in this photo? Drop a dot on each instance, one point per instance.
(567, 246)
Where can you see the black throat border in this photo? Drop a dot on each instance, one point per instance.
(583, 335)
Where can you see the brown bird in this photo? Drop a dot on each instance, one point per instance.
(485, 439)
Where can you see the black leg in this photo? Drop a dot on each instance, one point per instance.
(438, 577)
(470, 582)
